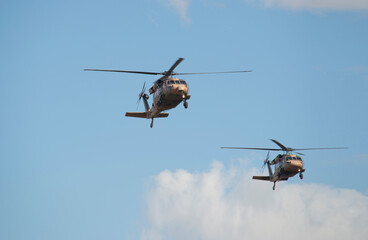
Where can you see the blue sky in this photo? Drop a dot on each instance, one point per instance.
(72, 166)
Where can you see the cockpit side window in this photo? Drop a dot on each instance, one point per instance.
(183, 82)
(177, 82)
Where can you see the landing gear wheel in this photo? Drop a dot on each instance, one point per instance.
(301, 175)
(151, 123)
(185, 104)
(274, 186)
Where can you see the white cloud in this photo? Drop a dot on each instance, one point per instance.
(179, 6)
(362, 72)
(226, 204)
(359, 69)
(317, 4)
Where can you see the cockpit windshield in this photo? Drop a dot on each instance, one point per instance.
(171, 82)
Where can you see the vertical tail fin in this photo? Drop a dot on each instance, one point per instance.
(269, 169)
(145, 97)
(270, 173)
(146, 106)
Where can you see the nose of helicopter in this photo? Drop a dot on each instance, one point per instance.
(182, 89)
(295, 165)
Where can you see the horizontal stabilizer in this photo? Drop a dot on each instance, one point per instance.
(263, 178)
(145, 115)
(136, 114)
(162, 115)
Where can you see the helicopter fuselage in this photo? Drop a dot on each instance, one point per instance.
(169, 95)
(286, 166)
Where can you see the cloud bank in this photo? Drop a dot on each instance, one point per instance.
(226, 204)
(179, 6)
(339, 5)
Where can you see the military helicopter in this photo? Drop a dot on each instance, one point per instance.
(168, 92)
(286, 165)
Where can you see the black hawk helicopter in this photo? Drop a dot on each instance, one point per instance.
(286, 165)
(168, 91)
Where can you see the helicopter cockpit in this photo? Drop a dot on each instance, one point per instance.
(175, 81)
(288, 158)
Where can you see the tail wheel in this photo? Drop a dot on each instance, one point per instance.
(185, 104)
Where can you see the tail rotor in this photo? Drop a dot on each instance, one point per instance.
(141, 94)
(266, 161)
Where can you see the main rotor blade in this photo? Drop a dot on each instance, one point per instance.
(138, 72)
(303, 149)
(280, 145)
(170, 71)
(266, 149)
(210, 72)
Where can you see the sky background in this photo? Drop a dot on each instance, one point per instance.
(73, 167)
